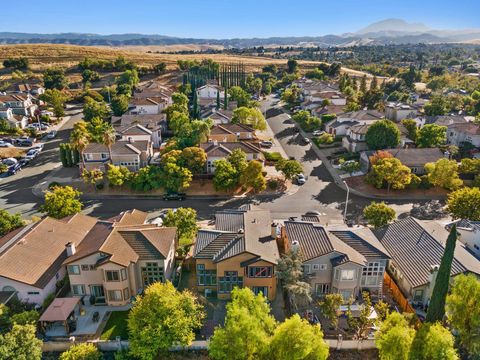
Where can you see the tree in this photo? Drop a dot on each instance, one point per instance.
(82, 351)
(61, 201)
(329, 306)
(378, 214)
(248, 326)
(175, 177)
(249, 116)
(389, 171)
(292, 66)
(56, 99)
(147, 178)
(433, 341)
(431, 135)
(193, 158)
(463, 312)
(464, 204)
(436, 106)
(54, 78)
(411, 126)
(94, 109)
(89, 76)
(79, 138)
(362, 323)
(306, 121)
(315, 74)
(20, 343)
(444, 173)
(9, 222)
(25, 317)
(92, 177)
(382, 134)
(129, 77)
(436, 307)
(394, 338)
(20, 63)
(226, 176)
(119, 105)
(98, 129)
(185, 220)
(161, 318)
(238, 159)
(118, 175)
(289, 168)
(159, 68)
(296, 339)
(252, 176)
(108, 139)
(291, 95)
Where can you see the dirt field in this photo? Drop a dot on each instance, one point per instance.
(11, 152)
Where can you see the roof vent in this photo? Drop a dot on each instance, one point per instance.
(70, 247)
(295, 245)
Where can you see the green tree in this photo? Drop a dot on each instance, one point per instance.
(389, 171)
(239, 95)
(226, 176)
(175, 177)
(436, 308)
(9, 222)
(129, 77)
(394, 338)
(97, 128)
(161, 318)
(296, 339)
(249, 116)
(25, 317)
(444, 173)
(194, 159)
(54, 78)
(94, 109)
(147, 178)
(79, 138)
(291, 95)
(118, 175)
(431, 135)
(92, 177)
(382, 134)
(433, 341)
(238, 159)
(82, 351)
(292, 66)
(62, 201)
(109, 137)
(252, 176)
(411, 126)
(159, 68)
(20, 343)
(289, 168)
(330, 305)
(185, 220)
(119, 105)
(306, 121)
(436, 106)
(361, 324)
(464, 204)
(56, 99)
(248, 327)
(378, 214)
(463, 312)
(90, 76)
(315, 74)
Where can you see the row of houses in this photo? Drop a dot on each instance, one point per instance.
(110, 261)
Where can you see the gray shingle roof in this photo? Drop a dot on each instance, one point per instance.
(119, 147)
(359, 240)
(229, 220)
(210, 242)
(415, 246)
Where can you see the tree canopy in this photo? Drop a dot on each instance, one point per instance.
(390, 171)
(433, 341)
(382, 134)
(444, 173)
(431, 135)
(464, 204)
(94, 109)
(62, 201)
(378, 214)
(82, 351)
(20, 343)
(252, 176)
(289, 168)
(185, 220)
(249, 116)
(9, 222)
(394, 338)
(54, 78)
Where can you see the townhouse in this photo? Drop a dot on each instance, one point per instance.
(340, 125)
(231, 133)
(210, 91)
(220, 150)
(21, 104)
(14, 121)
(458, 134)
(399, 111)
(156, 123)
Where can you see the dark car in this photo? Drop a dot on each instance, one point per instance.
(174, 196)
(12, 170)
(296, 130)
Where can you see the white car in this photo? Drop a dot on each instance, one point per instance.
(5, 144)
(52, 134)
(38, 147)
(318, 132)
(301, 179)
(46, 112)
(10, 161)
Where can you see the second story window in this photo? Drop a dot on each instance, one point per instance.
(347, 274)
(259, 271)
(73, 269)
(112, 275)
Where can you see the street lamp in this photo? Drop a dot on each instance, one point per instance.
(346, 202)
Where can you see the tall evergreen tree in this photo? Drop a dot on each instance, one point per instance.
(195, 110)
(225, 100)
(218, 100)
(436, 309)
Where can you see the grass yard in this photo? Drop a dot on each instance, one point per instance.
(116, 326)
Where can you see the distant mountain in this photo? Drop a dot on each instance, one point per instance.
(389, 31)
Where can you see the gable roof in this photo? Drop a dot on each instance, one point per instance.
(466, 128)
(414, 157)
(230, 129)
(133, 129)
(362, 240)
(121, 147)
(445, 120)
(226, 148)
(151, 122)
(415, 246)
(364, 115)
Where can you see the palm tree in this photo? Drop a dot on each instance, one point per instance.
(109, 140)
(79, 138)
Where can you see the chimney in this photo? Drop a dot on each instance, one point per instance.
(215, 142)
(295, 246)
(70, 247)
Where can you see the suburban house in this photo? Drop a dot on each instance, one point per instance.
(340, 125)
(218, 117)
(328, 109)
(148, 103)
(137, 132)
(355, 140)
(414, 158)
(33, 89)
(240, 252)
(121, 256)
(457, 134)
(31, 257)
(441, 120)
(317, 99)
(216, 150)
(416, 248)
(21, 104)
(14, 121)
(210, 91)
(469, 234)
(131, 154)
(156, 123)
(399, 111)
(345, 261)
(231, 133)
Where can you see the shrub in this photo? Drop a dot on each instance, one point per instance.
(52, 185)
(48, 300)
(272, 156)
(99, 186)
(325, 138)
(272, 184)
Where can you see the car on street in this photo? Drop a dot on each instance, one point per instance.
(24, 161)
(10, 161)
(266, 144)
(318, 132)
(5, 144)
(25, 141)
(12, 169)
(38, 147)
(174, 196)
(52, 134)
(300, 178)
(307, 140)
(46, 112)
(32, 154)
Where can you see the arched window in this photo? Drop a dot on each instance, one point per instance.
(8, 288)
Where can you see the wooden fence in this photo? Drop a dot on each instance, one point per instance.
(397, 294)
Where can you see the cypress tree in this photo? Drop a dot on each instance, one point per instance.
(225, 100)
(218, 99)
(436, 308)
(195, 106)
(68, 153)
(63, 157)
(76, 156)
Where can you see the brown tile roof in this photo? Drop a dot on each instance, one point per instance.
(35, 255)
(468, 128)
(121, 147)
(231, 129)
(225, 148)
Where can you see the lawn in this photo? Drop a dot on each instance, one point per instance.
(116, 326)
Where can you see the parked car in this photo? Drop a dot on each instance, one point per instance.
(5, 144)
(38, 147)
(301, 179)
(46, 112)
(10, 161)
(24, 161)
(52, 134)
(32, 154)
(318, 132)
(266, 144)
(25, 141)
(174, 196)
(12, 169)
(307, 140)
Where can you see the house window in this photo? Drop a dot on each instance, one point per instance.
(73, 269)
(126, 294)
(418, 295)
(104, 156)
(259, 271)
(306, 268)
(372, 274)
(151, 273)
(347, 275)
(322, 289)
(315, 267)
(346, 294)
(123, 274)
(88, 156)
(85, 268)
(33, 293)
(229, 281)
(206, 277)
(115, 295)
(78, 289)
(112, 275)
(323, 267)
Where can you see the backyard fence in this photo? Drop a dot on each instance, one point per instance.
(397, 294)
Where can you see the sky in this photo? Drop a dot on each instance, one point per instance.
(220, 19)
